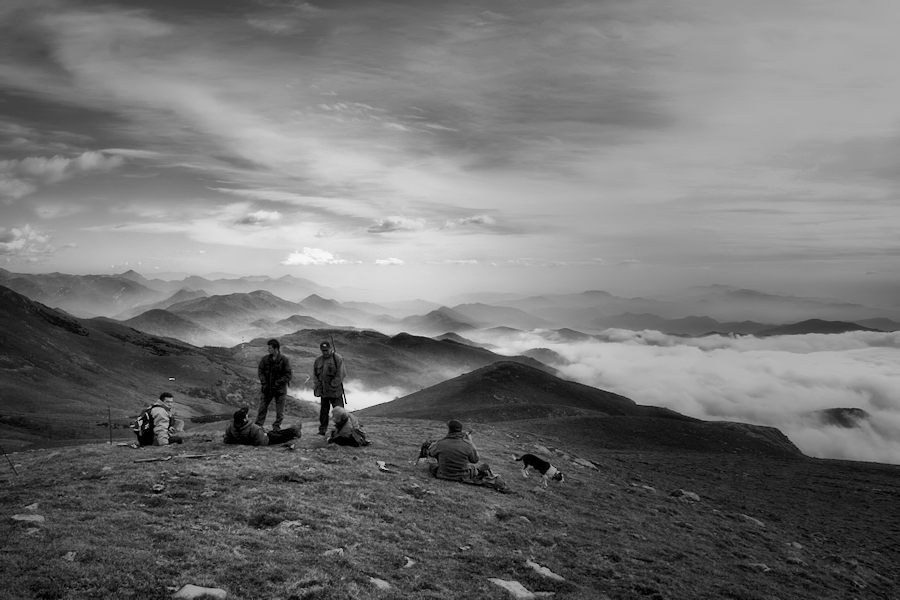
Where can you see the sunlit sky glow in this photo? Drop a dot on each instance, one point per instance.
(422, 148)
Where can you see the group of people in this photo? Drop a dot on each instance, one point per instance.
(456, 454)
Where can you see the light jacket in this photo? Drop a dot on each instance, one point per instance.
(328, 375)
(161, 421)
(274, 374)
(456, 456)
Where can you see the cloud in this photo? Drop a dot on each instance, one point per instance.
(358, 396)
(388, 261)
(452, 261)
(474, 221)
(25, 242)
(390, 224)
(313, 256)
(20, 177)
(776, 381)
(260, 217)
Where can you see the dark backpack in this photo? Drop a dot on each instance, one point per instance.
(143, 427)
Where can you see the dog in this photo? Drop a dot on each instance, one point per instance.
(540, 465)
(423, 451)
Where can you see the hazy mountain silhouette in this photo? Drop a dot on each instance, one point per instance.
(692, 325)
(438, 321)
(841, 417)
(81, 295)
(455, 337)
(814, 326)
(179, 296)
(486, 315)
(167, 324)
(881, 324)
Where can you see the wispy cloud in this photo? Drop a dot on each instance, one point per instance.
(20, 177)
(391, 224)
(384, 262)
(25, 242)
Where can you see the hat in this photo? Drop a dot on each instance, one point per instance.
(454, 426)
(325, 344)
(241, 415)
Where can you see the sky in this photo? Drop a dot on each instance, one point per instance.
(420, 148)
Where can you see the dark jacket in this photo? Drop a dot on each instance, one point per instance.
(274, 375)
(349, 432)
(328, 376)
(456, 456)
(249, 434)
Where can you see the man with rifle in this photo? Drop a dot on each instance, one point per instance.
(328, 381)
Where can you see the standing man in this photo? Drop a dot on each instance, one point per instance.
(328, 379)
(274, 375)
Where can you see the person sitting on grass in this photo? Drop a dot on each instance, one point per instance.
(347, 429)
(243, 431)
(458, 460)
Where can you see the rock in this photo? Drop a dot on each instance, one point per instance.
(513, 587)
(652, 489)
(795, 545)
(334, 552)
(544, 571)
(542, 449)
(758, 567)
(195, 591)
(69, 557)
(685, 496)
(381, 584)
(409, 562)
(796, 560)
(32, 507)
(756, 522)
(28, 518)
(585, 463)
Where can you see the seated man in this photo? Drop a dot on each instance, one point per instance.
(457, 460)
(156, 426)
(347, 429)
(246, 432)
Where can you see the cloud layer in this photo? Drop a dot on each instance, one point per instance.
(777, 381)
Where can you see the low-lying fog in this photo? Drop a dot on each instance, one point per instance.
(775, 381)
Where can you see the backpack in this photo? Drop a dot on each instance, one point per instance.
(143, 427)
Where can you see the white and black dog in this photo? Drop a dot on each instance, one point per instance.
(540, 465)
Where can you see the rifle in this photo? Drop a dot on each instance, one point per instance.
(334, 349)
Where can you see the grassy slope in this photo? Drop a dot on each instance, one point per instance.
(258, 522)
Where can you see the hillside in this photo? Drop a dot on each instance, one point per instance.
(320, 522)
(166, 324)
(60, 371)
(506, 391)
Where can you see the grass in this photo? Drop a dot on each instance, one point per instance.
(322, 521)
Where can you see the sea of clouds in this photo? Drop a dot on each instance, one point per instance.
(776, 381)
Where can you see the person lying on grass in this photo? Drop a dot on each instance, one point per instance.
(347, 429)
(457, 460)
(246, 432)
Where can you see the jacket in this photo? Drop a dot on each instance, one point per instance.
(161, 420)
(456, 456)
(328, 375)
(274, 374)
(350, 428)
(248, 434)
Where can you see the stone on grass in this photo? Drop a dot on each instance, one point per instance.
(195, 591)
(69, 557)
(761, 567)
(334, 551)
(685, 496)
(409, 562)
(544, 571)
(381, 584)
(756, 522)
(796, 560)
(585, 463)
(795, 545)
(32, 507)
(28, 518)
(513, 587)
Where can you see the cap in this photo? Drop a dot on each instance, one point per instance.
(241, 415)
(324, 345)
(454, 426)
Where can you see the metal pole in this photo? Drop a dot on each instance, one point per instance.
(109, 423)
(9, 461)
